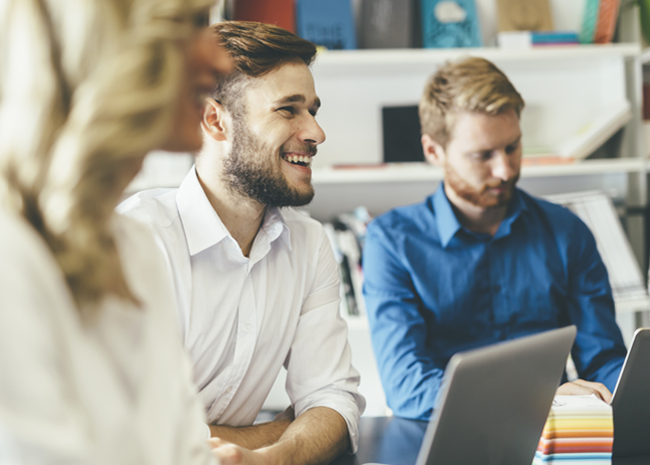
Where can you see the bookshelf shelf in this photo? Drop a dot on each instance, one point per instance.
(644, 57)
(367, 62)
(414, 172)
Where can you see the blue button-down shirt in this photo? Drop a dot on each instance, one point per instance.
(433, 288)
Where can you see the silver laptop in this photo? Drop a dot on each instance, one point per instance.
(494, 401)
(631, 404)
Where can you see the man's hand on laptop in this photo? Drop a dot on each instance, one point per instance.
(580, 387)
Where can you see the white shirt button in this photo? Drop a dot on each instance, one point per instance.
(247, 328)
(228, 389)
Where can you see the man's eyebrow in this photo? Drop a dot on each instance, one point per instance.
(297, 98)
(515, 140)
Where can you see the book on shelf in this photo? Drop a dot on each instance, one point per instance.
(524, 15)
(597, 211)
(606, 24)
(589, 21)
(450, 23)
(388, 24)
(278, 12)
(526, 39)
(328, 23)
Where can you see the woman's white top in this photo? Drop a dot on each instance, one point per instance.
(111, 390)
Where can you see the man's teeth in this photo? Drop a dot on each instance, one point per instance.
(297, 159)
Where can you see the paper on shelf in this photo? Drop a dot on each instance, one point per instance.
(596, 132)
(599, 214)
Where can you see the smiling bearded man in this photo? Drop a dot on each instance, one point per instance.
(256, 282)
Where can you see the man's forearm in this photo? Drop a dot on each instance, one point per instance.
(317, 436)
(251, 437)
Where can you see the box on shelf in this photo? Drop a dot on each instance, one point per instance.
(450, 23)
(524, 15)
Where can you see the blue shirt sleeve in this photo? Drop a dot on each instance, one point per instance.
(599, 350)
(409, 375)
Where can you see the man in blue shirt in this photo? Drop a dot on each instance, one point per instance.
(481, 261)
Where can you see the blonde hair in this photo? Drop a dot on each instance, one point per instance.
(470, 84)
(87, 88)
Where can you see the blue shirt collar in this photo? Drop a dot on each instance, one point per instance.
(448, 224)
(446, 220)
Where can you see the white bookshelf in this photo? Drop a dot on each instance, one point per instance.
(422, 172)
(565, 89)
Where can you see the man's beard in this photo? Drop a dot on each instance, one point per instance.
(479, 197)
(251, 170)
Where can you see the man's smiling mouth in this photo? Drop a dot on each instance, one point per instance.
(301, 160)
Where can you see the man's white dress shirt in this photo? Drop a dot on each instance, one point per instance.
(243, 318)
(111, 389)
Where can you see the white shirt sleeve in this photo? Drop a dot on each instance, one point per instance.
(319, 365)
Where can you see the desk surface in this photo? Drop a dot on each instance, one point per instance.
(389, 440)
(396, 441)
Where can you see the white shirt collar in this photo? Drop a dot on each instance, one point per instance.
(202, 226)
(275, 226)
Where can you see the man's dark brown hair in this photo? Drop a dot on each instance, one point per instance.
(256, 49)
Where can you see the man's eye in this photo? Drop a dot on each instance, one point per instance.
(480, 156)
(511, 148)
(290, 110)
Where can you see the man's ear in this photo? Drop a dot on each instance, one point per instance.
(214, 116)
(434, 153)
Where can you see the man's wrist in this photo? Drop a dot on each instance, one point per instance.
(272, 455)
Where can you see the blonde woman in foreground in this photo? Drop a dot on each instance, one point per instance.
(91, 371)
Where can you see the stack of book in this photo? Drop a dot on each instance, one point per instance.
(579, 430)
(523, 39)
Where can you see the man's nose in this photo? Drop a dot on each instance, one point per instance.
(502, 167)
(311, 131)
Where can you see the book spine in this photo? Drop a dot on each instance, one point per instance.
(278, 12)
(589, 20)
(607, 16)
(539, 38)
